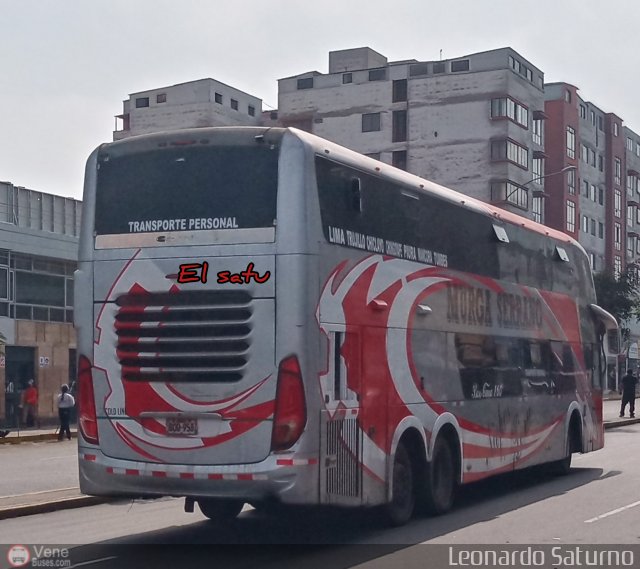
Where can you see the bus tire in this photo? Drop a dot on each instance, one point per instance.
(220, 510)
(399, 509)
(441, 479)
(562, 467)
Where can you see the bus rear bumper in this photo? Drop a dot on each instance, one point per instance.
(286, 478)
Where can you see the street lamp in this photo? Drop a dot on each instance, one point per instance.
(565, 169)
(539, 193)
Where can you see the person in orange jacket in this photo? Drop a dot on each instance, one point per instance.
(31, 405)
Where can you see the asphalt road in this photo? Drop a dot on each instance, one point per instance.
(37, 467)
(598, 503)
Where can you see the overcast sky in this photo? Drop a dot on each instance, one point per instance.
(67, 65)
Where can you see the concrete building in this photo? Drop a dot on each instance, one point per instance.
(38, 254)
(473, 123)
(201, 103)
(590, 202)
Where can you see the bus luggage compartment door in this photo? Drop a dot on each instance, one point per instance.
(340, 434)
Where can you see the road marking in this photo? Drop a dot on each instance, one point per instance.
(612, 512)
(93, 561)
(57, 457)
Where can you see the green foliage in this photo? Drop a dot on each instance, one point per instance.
(619, 296)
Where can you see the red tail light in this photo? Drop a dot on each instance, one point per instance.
(291, 411)
(87, 419)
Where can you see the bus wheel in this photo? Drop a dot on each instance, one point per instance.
(400, 509)
(562, 467)
(441, 484)
(220, 510)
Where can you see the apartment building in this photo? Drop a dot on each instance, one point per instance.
(38, 255)
(473, 123)
(201, 103)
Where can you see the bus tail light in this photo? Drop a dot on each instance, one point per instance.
(291, 410)
(87, 417)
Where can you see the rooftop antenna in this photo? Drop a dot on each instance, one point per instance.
(440, 55)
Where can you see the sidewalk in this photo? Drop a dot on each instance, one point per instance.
(33, 435)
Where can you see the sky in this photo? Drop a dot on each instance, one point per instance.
(67, 65)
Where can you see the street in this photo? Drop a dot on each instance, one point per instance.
(596, 504)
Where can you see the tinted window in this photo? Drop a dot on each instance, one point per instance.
(187, 189)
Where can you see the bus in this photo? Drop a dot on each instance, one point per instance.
(266, 317)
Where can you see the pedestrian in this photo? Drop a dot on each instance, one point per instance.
(629, 382)
(66, 402)
(31, 405)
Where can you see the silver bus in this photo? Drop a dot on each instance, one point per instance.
(264, 317)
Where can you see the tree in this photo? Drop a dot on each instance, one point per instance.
(619, 295)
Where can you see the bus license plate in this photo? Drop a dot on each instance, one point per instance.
(182, 426)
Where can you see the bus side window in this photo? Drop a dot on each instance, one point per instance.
(556, 362)
(356, 195)
(592, 364)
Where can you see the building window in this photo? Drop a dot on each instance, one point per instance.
(615, 129)
(537, 131)
(617, 203)
(399, 91)
(617, 236)
(617, 266)
(593, 118)
(370, 122)
(571, 216)
(251, 110)
(567, 95)
(629, 144)
(571, 182)
(593, 227)
(142, 102)
(584, 153)
(571, 142)
(637, 148)
(601, 230)
(399, 159)
(374, 155)
(306, 83)
(460, 65)
(161, 98)
(585, 224)
(601, 162)
(536, 208)
(618, 171)
(630, 216)
(592, 193)
(399, 131)
(218, 98)
(511, 151)
(600, 196)
(234, 104)
(537, 169)
(583, 111)
(506, 191)
(347, 78)
(585, 186)
(438, 67)
(506, 107)
(377, 74)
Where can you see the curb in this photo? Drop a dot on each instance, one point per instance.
(32, 438)
(52, 506)
(621, 423)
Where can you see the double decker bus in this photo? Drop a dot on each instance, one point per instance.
(265, 316)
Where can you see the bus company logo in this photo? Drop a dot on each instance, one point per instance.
(197, 272)
(18, 555)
